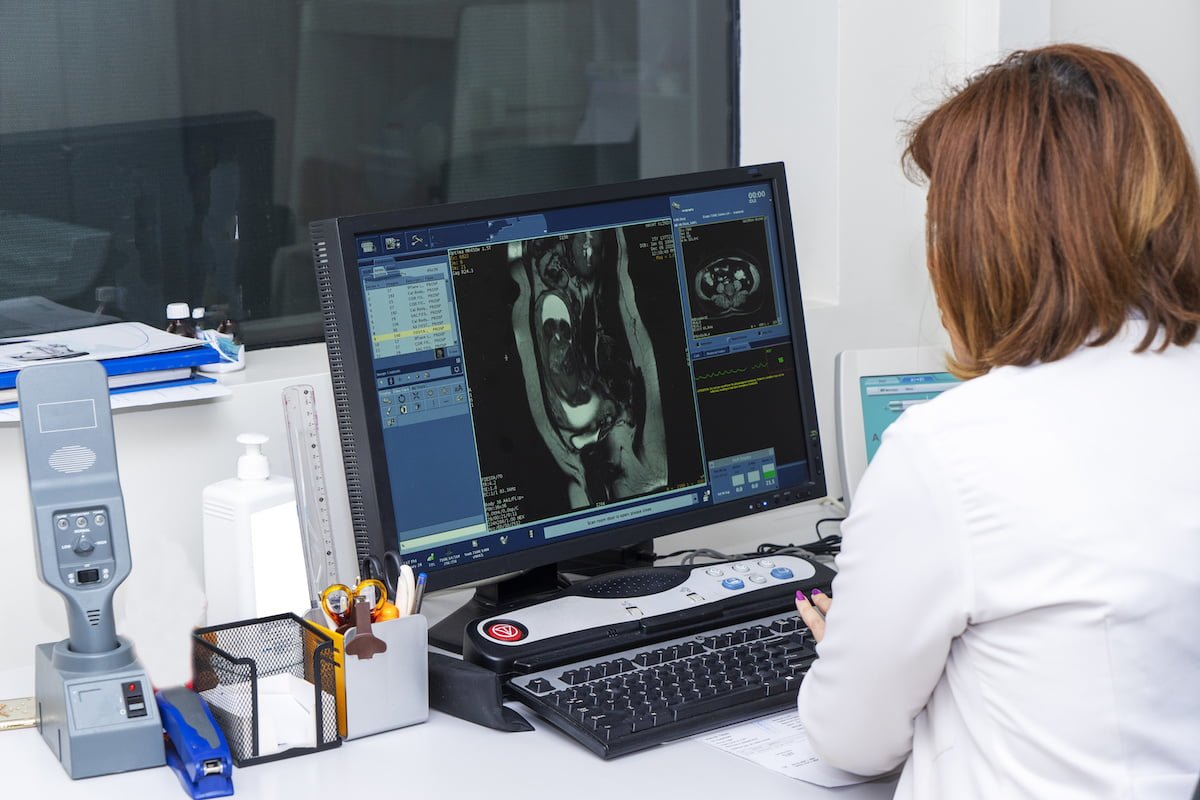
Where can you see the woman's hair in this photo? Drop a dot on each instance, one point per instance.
(1062, 200)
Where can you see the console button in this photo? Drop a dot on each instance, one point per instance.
(782, 573)
(766, 562)
(716, 573)
(135, 704)
(733, 583)
(505, 631)
(740, 568)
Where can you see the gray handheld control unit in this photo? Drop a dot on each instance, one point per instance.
(96, 707)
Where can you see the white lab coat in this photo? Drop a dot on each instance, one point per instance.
(1017, 609)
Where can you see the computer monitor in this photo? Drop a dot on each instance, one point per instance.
(525, 380)
(873, 388)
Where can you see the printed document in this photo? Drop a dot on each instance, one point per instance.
(780, 743)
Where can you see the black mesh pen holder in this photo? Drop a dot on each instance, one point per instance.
(236, 665)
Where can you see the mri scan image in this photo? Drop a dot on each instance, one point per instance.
(586, 378)
(729, 280)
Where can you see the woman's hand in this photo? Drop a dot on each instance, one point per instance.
(813, 613)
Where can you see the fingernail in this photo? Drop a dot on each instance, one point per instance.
(816, 591)
(800, 596)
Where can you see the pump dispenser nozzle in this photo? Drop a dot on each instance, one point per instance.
(253, 464)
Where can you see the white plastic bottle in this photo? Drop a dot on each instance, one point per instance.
(253, 554)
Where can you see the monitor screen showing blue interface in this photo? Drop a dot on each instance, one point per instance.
(562, 373)
(886, 397)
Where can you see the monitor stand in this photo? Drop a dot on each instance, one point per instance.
(631, 556)
(496, 598)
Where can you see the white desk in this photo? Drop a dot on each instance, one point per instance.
(441, 759)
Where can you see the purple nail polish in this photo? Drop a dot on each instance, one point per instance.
(800, 595)
(816, 591)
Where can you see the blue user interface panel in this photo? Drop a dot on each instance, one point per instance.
(562, 373)
(886, 397)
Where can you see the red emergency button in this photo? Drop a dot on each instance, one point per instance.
(506, 631)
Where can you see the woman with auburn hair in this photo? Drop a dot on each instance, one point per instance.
(1018, 596)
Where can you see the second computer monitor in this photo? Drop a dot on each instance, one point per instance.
(873, 388)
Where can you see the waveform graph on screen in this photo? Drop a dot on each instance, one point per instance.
(748, 402)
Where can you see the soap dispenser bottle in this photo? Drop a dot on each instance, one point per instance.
(253, 553)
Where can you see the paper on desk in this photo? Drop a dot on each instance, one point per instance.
(286, 712)
(780, 743)
(146, 397)
(93, 343)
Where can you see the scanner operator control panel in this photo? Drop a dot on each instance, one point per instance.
(83, 546)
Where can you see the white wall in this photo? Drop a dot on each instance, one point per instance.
(826, 87)
(834, 110)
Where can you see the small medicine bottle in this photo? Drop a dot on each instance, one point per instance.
(179, 320)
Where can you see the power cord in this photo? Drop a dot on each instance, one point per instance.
(825, 545)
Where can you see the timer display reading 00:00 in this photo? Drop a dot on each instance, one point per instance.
(757, 194)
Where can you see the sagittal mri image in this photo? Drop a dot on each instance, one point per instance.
(729, 276)
(577, 362)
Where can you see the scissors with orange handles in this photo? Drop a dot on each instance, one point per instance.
(338, 600)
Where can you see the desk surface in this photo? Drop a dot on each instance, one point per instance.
(443, 758)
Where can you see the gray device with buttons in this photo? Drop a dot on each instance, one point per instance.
(632, 608)
(96, 709)
(702, 585)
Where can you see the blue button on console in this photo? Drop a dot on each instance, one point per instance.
(733, 583)
(783, 573)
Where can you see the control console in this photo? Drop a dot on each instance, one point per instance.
(636, 607)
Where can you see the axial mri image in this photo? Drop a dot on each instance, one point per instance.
(729, 280)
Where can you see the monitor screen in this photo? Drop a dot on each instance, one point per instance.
(525, 380)
(886, 397)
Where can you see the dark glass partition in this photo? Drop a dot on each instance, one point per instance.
(154, 152)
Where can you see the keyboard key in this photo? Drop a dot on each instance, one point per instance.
(695, 709)
(615, 731)
(539, 685)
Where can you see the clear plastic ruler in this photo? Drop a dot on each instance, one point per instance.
(312, 499)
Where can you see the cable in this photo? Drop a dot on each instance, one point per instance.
(825, 545)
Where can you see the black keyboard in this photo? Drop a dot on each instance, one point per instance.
(635, 699)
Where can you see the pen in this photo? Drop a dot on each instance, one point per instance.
(419, 594)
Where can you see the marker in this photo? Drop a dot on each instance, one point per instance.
(419, 594)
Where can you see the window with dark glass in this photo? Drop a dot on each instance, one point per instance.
(155, 152)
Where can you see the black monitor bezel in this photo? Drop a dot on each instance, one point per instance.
(360, 420)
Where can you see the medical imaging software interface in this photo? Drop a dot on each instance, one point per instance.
(886, 397)
(558, 374)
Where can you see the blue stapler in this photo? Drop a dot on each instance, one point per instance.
(196, 749)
